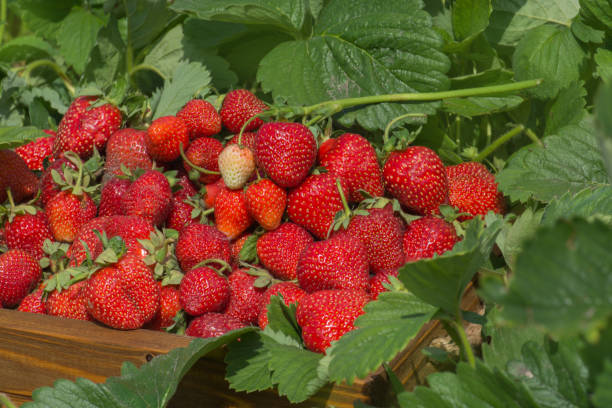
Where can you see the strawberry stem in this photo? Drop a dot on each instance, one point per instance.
(498, 142)
(397, 119)
(200, 169)
(58, 70)
(347, 209)
(207, 262)
(466, 347)
(6, 402)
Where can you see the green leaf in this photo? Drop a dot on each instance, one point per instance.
(248, 252)
(603, 59)
(77, 37)
(281, 319)
(597, 13)
(146, 19)
(568, 162)
(568, 108)
(585, 32)
(59, 102)
(441, 281)
(603, 392)
(151, 385)
(188, 81)
(512, 236)
(360, 48)
(286, 15)
(26, 48)
(560, 279)
(470, 17)
(386, 328)
(603, 125)
(481, 105)
(512, 19)
(248, 364)
(43, 17)
(39, 117)
(551, 54)
(506, 344)
(590, 202)
(107, 58)
(14, 136)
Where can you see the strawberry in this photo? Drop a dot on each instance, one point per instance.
(48, 187)
(15, 174)
(416, 177)
(266, 203)
(183, 188)
(204, 153)
(326, 315)
(67, 213)
(469, 168)
(286, 152)
(290, 292)
(169, 306)
(110, 198)
(164, 138)
(375, 285)
(353, 158)
(236, 165)
(314, 203)
(201, 118)
(279, 250)
(19, 273)
(28, 232)
(33, 303)
(340, 262)
(245, 299)
(203, 290)
(149, 197)
(238, 107)
(123, 296)
(199, 242)
(428, 236)
(236, 247)
(35, 152)
(69, 303)
(231, 215)
(381, 233)
(212, 325)
(247, 139)
(210, 192)
(324, 148)
(127, 147)
(181, 214)
(473, 190)
(82, 128)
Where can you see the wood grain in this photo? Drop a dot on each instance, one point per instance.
(35, 350)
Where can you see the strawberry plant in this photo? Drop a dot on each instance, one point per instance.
(327, 177)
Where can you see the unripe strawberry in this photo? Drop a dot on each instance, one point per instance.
(236, 165)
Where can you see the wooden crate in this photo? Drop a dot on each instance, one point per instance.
(35, 350)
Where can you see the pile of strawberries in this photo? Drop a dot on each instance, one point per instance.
(171, 226)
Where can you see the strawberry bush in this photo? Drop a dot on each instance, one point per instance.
(366, 160)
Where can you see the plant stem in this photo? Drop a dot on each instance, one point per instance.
(198, 168)
(6, 402)
(58, 70)
(3, 21)
(397, 119)
(534, 138)
(498, 142)
(466, 347)
(146, 67)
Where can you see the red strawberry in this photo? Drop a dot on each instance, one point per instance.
(35, 152)
(238, 107)
(290, 292)
(126, 147)
(204, 152)
(279, 250)
(201, 118)
(203, 290)
(15, 174)
(248, 140)
(266, 203)
(327, 315)
(169, 306)
(69, 303)
(81, 129)
(110, 199)
(245, 299)
(236, 165)
(286, 152)
(472, 189)
(19, 273)
(375, 285)
(199, 242)
(28, 232)
(68, 212)
(469, 168)
(353, 158)
(124, 296)
(231, 215)
(212, 325)
(236, 247)
(381, 233)
(48, 187)
(209, 195)
(180, 215)
(426, 236)
(164, 137)
(324, 148)
(340, 262)
(33, 303)
(185, 188)
(314, 204)
(149, 197)
(416, 177)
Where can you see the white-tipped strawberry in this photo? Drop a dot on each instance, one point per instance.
(236, 165)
